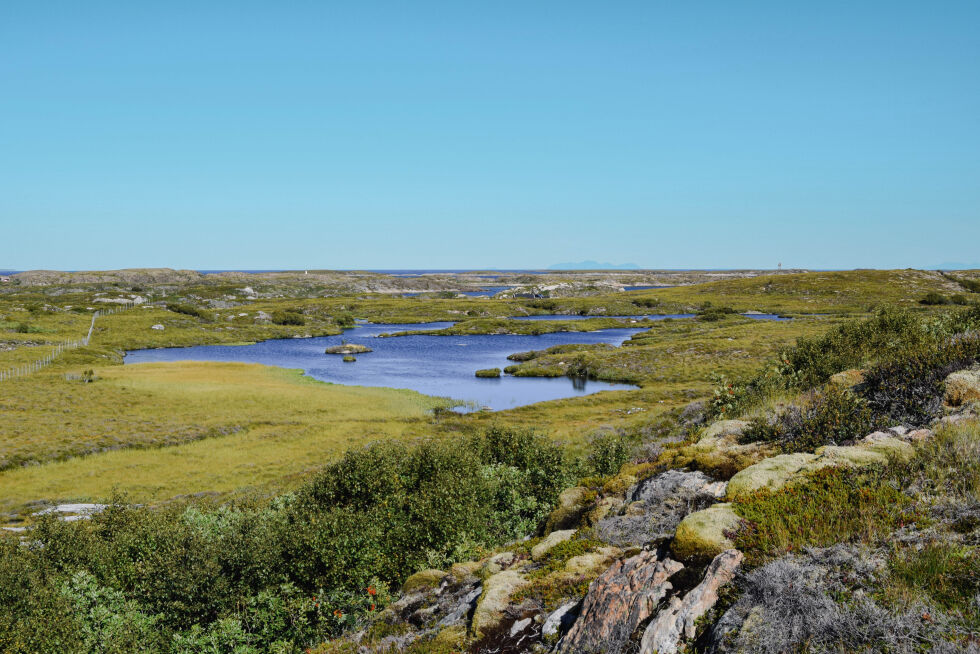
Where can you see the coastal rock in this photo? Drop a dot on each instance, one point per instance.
(963, 386)
(703, 534)
(679, 619)
(618, 601)
(539, 551)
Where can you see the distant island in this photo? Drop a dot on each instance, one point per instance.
(593, 265)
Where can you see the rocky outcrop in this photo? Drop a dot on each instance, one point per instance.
(618, 601)
(703, 535)
(655, 507)
(678, 620)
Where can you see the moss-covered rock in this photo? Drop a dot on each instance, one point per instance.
(702, 535)
(423, 580)
(891, 447)
(539, 551)
(497, 590)
(462, 570)
(770, 474)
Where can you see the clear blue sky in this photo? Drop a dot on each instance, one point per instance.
(496, 134)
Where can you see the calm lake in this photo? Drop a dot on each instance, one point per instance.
(434, 365)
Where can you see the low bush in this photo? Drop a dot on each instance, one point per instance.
(189, 310)
(345, 320)
(278, 577)
(831, 416)
(835, 505)
(934, 299)
(909, 388)
(288, 318)
(488, 373)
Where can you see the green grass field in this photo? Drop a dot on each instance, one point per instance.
(159, 430)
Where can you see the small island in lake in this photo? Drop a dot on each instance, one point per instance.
(348, 348)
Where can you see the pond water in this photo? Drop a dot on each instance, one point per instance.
(557, 316)
(434, 365)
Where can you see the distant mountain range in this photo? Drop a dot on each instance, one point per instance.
(593, 265)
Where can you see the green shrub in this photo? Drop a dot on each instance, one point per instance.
(189, 310)
(288, 318)
(909, 388)
(933, 299)
(948, 573)
(835, 505)
(488, 373)
(345, 320)
(833, 415)
(608, 453)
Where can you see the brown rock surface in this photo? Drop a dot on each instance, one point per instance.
(619, 600)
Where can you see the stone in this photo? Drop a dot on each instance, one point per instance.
(158, 327)
(618, 601)
(679, 619)
(560, 619)
(519, 626)
(554, 538)
(497, 590)
(459, 606)
(769, 474)
(423, 580)
(963, 386)
(702, 535)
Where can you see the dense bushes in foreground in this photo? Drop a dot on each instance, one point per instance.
(277, 577)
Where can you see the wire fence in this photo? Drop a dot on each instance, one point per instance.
(31, 367)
